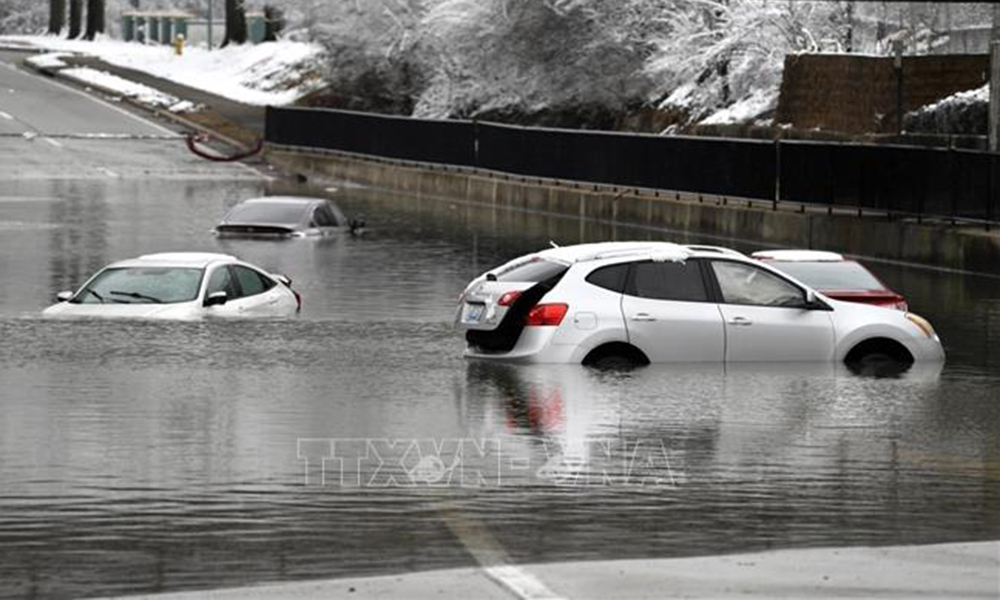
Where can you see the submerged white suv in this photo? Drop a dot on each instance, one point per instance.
(644, 302)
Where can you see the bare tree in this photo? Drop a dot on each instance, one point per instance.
(236, 22)
(95, 18)
(75, 18)
(57, 16)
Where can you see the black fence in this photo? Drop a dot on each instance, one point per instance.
(952, 183)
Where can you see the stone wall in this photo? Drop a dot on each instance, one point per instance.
(857, 94)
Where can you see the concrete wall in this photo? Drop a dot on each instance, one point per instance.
(857, 94)
(744, 219)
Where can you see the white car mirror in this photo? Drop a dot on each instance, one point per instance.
(216, 299)
(64, 296)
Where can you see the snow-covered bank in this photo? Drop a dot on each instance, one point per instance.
(276, 73)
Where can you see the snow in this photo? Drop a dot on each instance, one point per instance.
(129, 89)
(746, 109)
(49, 60)
(976, 96)
(275, 73)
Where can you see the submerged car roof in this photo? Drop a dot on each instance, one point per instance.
(303, 200)
(176, 259)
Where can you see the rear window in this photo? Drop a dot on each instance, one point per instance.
(275, 213)
(610, 278)
(679, 281)
(840, 276)
(533, 271)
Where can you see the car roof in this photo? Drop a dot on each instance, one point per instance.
(292, 200)
(798, 256)
(665, 251)
(177, 259)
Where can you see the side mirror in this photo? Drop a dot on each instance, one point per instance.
(216, 299)
(814, 303)
(64, 296)
(285, 279)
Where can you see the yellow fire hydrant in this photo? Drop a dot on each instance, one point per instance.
(179, 44)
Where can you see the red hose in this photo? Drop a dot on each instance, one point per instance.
(193, 139)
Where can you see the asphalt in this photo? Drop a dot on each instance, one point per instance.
(53, 131)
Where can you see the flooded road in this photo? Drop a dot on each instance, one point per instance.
(145, 456)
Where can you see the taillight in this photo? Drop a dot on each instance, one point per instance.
(508, 298)
(546, 315)
(298, 300)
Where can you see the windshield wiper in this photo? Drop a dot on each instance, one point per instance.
(137, 296)
(96, 295)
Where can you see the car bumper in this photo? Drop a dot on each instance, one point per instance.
(533, 346)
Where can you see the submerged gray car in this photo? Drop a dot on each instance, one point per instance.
(285, 217)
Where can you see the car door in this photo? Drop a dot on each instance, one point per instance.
(260, 295)
(670, 315)
(222, 279)
(766, 318)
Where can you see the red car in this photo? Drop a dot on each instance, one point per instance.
(834, 276)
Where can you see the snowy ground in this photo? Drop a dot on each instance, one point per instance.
(275, 73)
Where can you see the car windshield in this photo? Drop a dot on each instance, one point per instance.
(534, 271)
(840, 275)
(268, 213)
(142, 285)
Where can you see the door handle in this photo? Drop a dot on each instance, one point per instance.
(646, 317)
(740, 321)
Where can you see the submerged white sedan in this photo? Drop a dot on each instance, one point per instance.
(180, 285)
(642, 302)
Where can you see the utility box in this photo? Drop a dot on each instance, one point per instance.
(128, 27)
(256, 27)
(154, 27)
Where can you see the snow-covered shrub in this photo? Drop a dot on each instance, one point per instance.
(370, 60)
(511, 59)
(720, 53)
(961, 113)
(23, 16)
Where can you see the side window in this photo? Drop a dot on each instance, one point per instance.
(747, 284)
(610, 278)
(322, 217)
(267, 282)
(222, 281)
(679, 281)
(250, 281)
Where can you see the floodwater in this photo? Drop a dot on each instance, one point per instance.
(148, 456)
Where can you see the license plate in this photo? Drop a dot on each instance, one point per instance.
(474, 312)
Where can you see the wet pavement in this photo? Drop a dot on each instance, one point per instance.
(146, 456)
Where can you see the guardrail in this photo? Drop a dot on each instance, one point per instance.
(960, 185)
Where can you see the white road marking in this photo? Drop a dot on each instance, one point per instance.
(107, 171)
(493, 559)
(52, 142)
(6, 116)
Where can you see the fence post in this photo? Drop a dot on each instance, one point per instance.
(475, 142)
(952, 176)
(777, 173)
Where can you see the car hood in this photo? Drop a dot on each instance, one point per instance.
(135, 311)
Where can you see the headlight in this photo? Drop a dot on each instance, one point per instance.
(922, 323)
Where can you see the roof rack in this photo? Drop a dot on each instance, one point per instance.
(716, 249)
